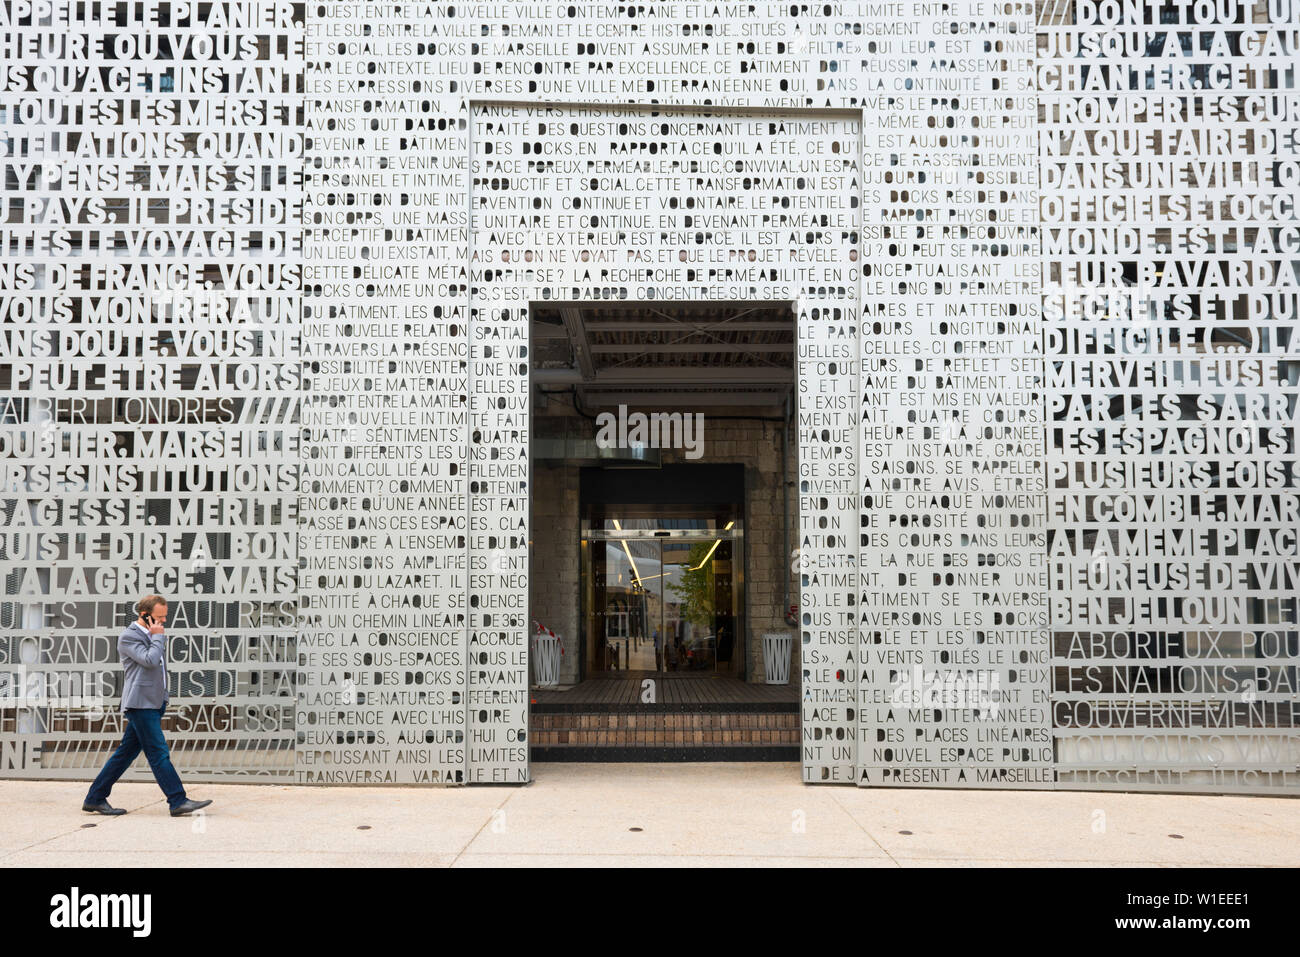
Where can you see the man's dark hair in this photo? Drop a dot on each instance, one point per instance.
(148, 603)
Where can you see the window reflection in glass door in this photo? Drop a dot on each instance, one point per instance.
(633, 605)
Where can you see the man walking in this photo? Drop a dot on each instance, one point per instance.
(143, 651)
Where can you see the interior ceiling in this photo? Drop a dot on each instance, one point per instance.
(666, 354)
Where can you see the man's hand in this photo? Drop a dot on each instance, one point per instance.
(155, 628)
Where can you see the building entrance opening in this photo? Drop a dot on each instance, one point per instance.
(664, 513)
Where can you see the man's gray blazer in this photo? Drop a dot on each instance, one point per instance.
(144, 661)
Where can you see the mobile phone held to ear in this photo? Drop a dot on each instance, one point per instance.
(148, 619)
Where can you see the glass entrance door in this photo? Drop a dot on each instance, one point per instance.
(662, 593)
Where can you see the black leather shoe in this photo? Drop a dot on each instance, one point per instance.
(189, 807)
(103, 807)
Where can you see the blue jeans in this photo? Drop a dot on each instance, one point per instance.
(143, 733)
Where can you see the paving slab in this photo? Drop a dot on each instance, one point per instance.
(191, 859)
(46, 818)
(644, 815)
(1078, 827)
(660, 861)
(694, 809)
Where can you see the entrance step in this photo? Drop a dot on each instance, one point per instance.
(660, 736)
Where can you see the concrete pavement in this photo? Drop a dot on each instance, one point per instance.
(643, 815)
